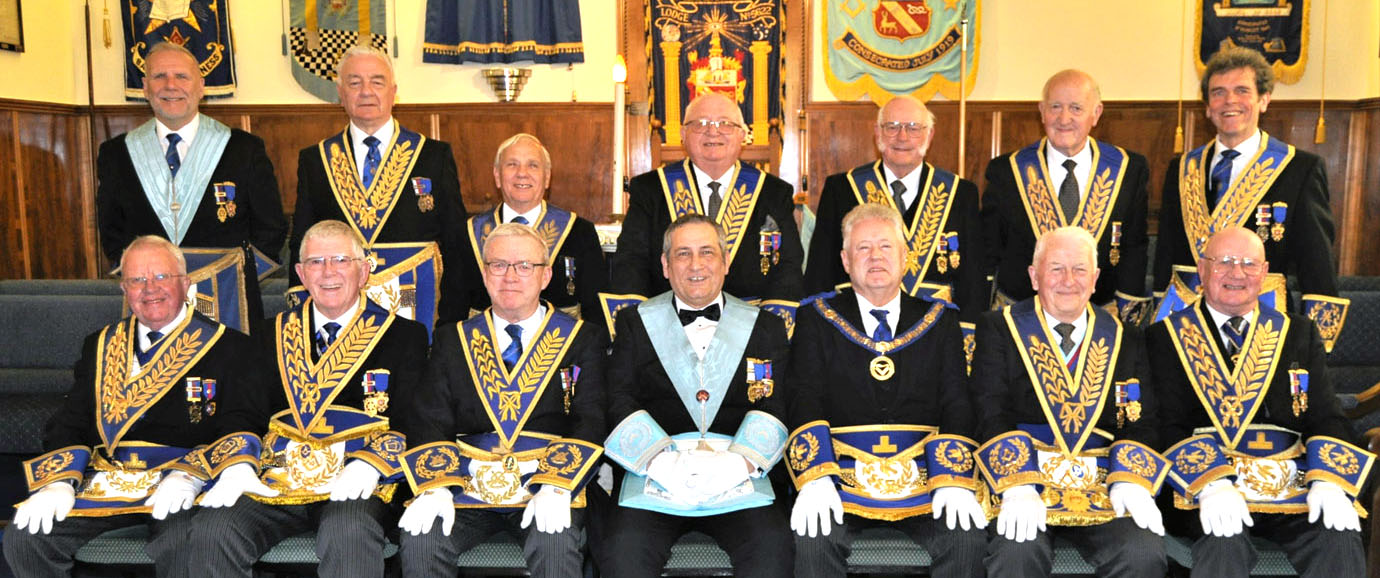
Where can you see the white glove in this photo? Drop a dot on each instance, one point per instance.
(425, 508)
(665, 470)
(550, 507)
(717, 473)
(813, 504)
(1222, 509)
(355, 481)
(49, 504)
(1328, 501)
(959, 506)
(1022, 514)
(233, 482)
(175, 492)
(1128, 497)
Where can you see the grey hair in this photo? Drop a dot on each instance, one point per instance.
(155, 242)
(514, 230)
(870, 212)
(362, 50)
(692, 219)
(512, 140)
(331, 228)
(1072, 231)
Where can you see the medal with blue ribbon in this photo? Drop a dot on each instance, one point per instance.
(1127, 401)
(375, 384)
(569, 376)
(1298, 388)
(1281, 210)
(422, 186)
(195, 397)
(952, 241)
(760, 383)
(225, 200)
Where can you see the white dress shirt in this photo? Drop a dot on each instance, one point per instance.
(1082, 171)
(357, 135)
(701, 331)
(320, 320)
(1080, 328)
(1219, 318)
(187, 132)
(870, 323)
(1248, 148)
(532, 216)
(529, 326)
(703, 179)
(911, 180)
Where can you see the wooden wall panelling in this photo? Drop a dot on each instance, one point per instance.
(1367, 251)
(12, 239)
(288, 130)
(53, 194)
(579, 137)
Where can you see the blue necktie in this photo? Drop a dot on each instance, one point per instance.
(174, 160)
(147, 354)
(514, 350)
(1221, 176)
(883, 331)
(371, 160)
(326, 336)
(521, 220)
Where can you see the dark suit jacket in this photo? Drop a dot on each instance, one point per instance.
(591, 277)
(445, 223)
(1004, 395)
(830, 379)
(824, 269)
(1182, 411)
(637, 265)
(401, 350)
(167, 421)
(1010, 242)
(448, 405)
(124, 210)
(637, 380)
(1306, 249)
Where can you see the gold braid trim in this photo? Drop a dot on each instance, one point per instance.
(923, 234)
(880, 346)
(1096, 209)
(117, 399)
(1038, 199)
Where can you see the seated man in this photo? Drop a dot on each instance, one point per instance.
(881, 408)
(329, 444)
(506, 447)
(1070, 428)
(1258, 437)
(147, 389)
(695, 362)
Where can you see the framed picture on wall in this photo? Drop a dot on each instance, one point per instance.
(11, 26)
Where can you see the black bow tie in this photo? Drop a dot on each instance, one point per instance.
(687, 316)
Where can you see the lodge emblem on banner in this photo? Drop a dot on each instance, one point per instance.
(1278, 29)
(703, 46)
(200, 26)
(321, 32)
(877, 48)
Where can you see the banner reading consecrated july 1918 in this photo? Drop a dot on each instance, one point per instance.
(727, 46)
(200, 26)
(1277, 29)
(880, 48)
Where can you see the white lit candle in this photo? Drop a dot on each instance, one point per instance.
(620, 75)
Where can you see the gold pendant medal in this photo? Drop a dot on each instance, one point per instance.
(881, 368)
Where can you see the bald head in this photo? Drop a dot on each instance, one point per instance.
(1232, 270)
(904, 131)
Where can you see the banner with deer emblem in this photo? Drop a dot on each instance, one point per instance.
(878, 48)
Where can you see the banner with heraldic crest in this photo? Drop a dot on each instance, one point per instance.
(876, 48)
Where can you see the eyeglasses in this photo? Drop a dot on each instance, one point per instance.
(500, 268)
(912, 128)
(159, 279)
(703, 125)
(1225, 264)
(335, 262)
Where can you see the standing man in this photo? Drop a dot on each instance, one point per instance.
(121, 449)
(397, 188)
(1069, 178)
(522, 173)
(697, 363)
(1246, 396)
(1063, 399)
(939, 210)
(1247, 178)
(319, 450)
(880, 392)
(186, 177)
(528, 435)
(754, 209)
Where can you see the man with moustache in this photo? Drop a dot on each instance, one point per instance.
(1069, 178)
(122, 450)
(397, 188)
(698, 417)
(753, 207)
(1261, 448)
(522, 173)
(940, 212)
(513, 449)
(186, 177)
(878, 378)
(1248, 178)
(319, 450)
(1063, 399)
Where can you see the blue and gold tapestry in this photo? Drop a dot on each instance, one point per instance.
(503, 31)
(1277, 29)
(727, 46)
(877, 48)
(200, 26)
(322, 30)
